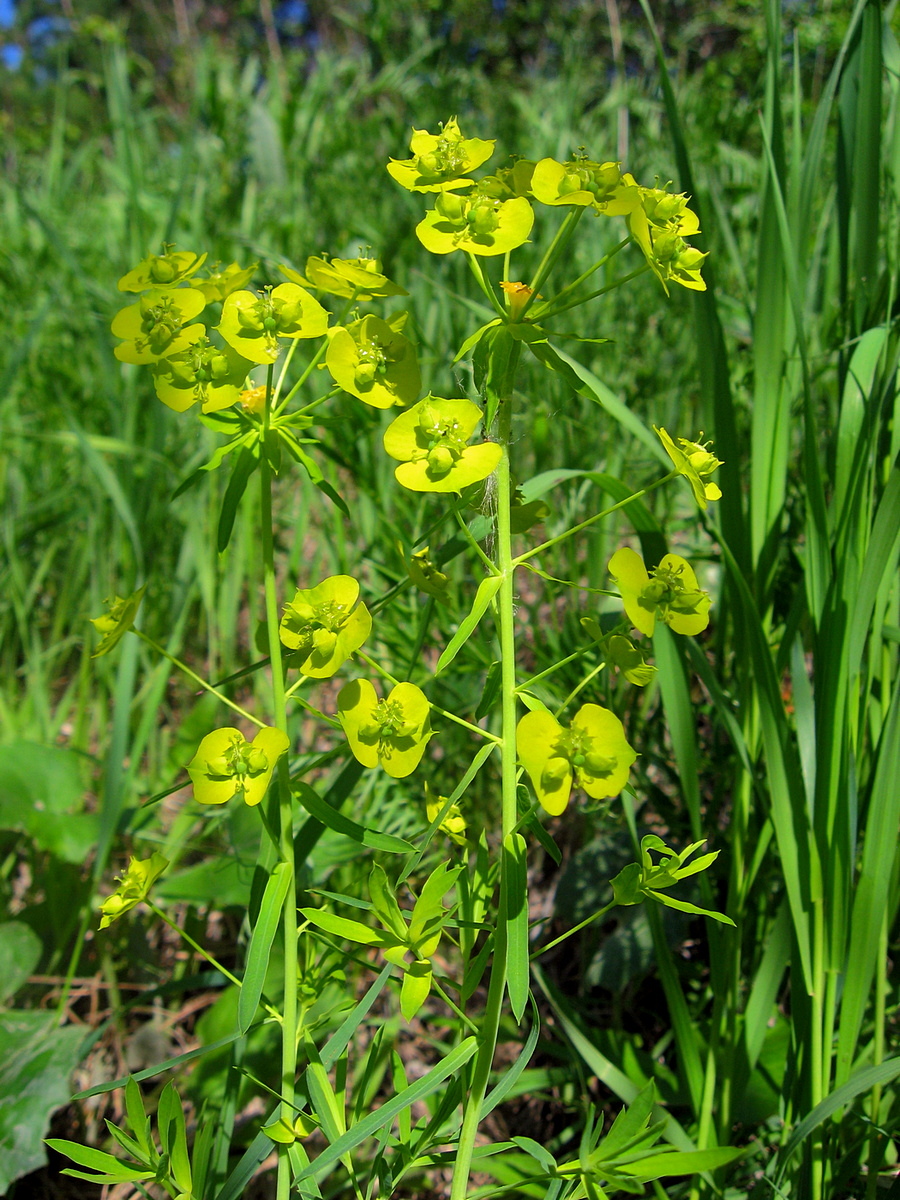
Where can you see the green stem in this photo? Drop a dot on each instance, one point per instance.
(198, 679)
(285, 809)
(876, 1144)
(554, 250)
(610, 287)
(570, 287)
(195, 946)
(575, 929)
(310, 366)
(506, 612)
(561, 537)
(481, 279)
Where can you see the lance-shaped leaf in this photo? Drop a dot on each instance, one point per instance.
(430, 440)
(390, 733)
(440, 160)
(252, 322)
(204, 373)
(325, 625)
(479, 224)
(668, 593)
(371, 360)
(166, 270)
(593, 752)
(134, 886)
(158, 325)
(117, 622)
(227, 766)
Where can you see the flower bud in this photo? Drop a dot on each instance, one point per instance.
(451, 207)
(440, 460)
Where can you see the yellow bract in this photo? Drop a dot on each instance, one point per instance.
(134, 886)
(593, 752)
(227, 766)
(430, 439)
(668, 593)
(391, 733)
(440, 159)
(695, 461)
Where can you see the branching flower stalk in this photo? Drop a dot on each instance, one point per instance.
(323, 630)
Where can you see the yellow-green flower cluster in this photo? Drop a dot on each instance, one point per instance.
(494, 214)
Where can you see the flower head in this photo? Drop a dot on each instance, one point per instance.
(227, 766)
(390, 733)
(427, 577)
(219, 282)
(115, 623)
(252, 322)
(695, 461)
(360, 278)
(479, 223)
(166, 270)
(430, 439)
(440, 160)
(202, 372)
(453, 823)
(668, 593)
(371, 360)
(134, 886)
(583, 182)
(593, 751)
(325, 625)
(659, 225)
(158, 325)
(621, 652)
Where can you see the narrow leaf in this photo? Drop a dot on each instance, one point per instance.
(487, 590)
(261, 944)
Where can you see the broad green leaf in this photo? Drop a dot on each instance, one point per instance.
(36, 1060)
(683, 906)
(267, 924)
(487, 590)
(20, 953)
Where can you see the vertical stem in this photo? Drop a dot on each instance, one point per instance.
(285, 811)
(876, 1145)
(506, 611)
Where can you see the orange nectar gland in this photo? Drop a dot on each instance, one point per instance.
(518, 295)
(253, 400)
